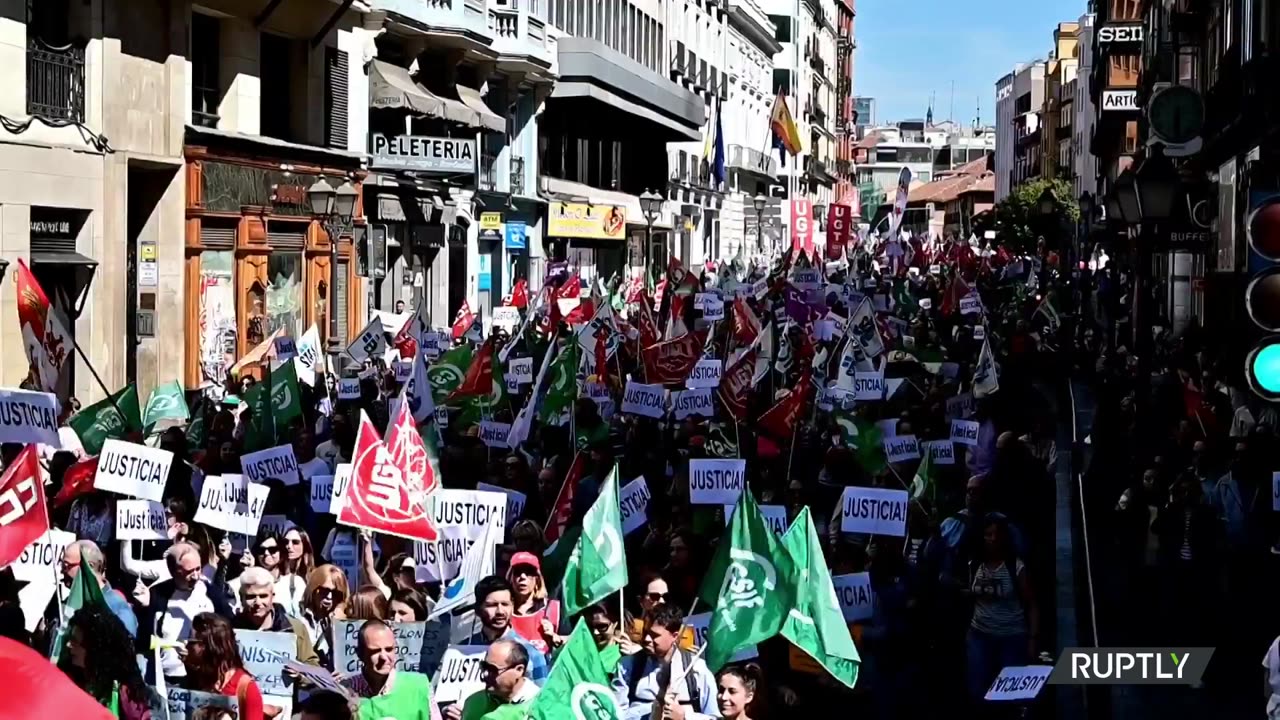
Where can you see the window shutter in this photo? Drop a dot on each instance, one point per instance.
(335, 97)
(218, 235)
(342, 300)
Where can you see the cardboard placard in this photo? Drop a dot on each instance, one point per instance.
(520, 370)
(941, 452)
(901, 448)
(28, 418)
(857, 601)
(705, 374)
(1021, 682)
(232, 503)
(964, 432)
(868, 386)
(700, 402)
(494, 434)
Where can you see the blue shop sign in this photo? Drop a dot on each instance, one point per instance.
(517, 235)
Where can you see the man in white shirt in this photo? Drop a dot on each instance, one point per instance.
(642, 678)
(175, 603)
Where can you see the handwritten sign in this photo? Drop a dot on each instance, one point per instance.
(131, 469)
(141, 520)
(874, 510)
(716, 482)
(634, 500)
(964, 432)
(346, 642)
(901, 448)
(645, 400)
(857, 601)
(264, 655)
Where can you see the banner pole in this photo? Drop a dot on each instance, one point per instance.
(97, 378)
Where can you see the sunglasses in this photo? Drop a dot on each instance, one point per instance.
(268, 550)
(488, 669)
(329, 592)
(657, 597)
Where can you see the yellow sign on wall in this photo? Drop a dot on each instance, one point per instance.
(491, 221)
(588, 222)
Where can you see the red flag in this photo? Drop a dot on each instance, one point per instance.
(562, 512)
(670, 362)
(77, 481)
(519, 297)
(385, 493)
(746, 326)
(839, 223)
(951, 299)
(479, 378)
(409, 451)
(645, 322)
(462, 323)
(38, 689)
(47, 343)
(780, 420)
(736, 384)
(23, 515)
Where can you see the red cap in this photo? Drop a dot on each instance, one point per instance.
(525, 558)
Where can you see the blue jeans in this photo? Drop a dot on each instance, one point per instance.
(986, 655)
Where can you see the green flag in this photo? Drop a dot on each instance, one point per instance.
(85, 591)
(196, 435)
(563, 388)
(815, 623)
(446, 374)
(923, 482)
(167, 402)
(101, 421)
(749, 584)
(477, 407)
(866, 440)
(261, 432)
(286, 398)
(598, 566)
(579, 685)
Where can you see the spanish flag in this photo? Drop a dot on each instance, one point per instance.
(784, 128)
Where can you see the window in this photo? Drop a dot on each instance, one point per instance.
(782, 28)
(206, 91)
(1122, 71)
(217, 314)
(343, 263)
(276, 104)
(284, 294)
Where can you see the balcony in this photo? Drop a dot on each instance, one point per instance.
(752, 161)
(55, 81)
(466, 18)
(817, 63)
(518, 32)
(816, 169)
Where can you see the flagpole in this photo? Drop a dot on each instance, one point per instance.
(97, 378)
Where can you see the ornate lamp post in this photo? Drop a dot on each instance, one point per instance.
(333, 209)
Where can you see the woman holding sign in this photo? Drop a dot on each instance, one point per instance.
(214, 665)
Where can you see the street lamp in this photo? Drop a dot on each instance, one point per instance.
(759, 202)
(1126, 188)
(1156, 180)
(1048, 202)
(333, 209)
(651, 207)
(1086, 207)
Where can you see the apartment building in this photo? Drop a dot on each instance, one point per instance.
(1059, 98)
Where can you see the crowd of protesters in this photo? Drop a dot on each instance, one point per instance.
(965, 593)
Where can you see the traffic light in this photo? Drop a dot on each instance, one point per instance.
(1262, 295)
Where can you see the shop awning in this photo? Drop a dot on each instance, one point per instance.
(391, 86)
(579, 89)
(488, 119)
(62, 258)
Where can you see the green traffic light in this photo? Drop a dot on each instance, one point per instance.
(1266, 368)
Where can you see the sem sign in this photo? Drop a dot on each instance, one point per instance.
(421, 152)
(1120, 34)
(1120, 100)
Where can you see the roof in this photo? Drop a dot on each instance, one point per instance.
(973, 176)
(871, 140)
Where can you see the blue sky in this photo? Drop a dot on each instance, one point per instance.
(908, 49)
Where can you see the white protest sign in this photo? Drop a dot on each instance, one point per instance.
(141, 520)
(935, 269)
(970, 305)
(264, 655)
(341, 479)
(181, 704)
(901, 448)
(760, 288)
(693, 402)
(964, 432)
(807, 278)
(868, 386)
(277, 463)
(494, 434)
(602, 397)
(700, 622)
(979, 332)
(460, 517)
(705, 374)
(28, 417)
(646, 400)
(824, 330)
(321, 493)
(346, 640)
(348, 388)
(515, 499)
(506, 317)
(521, 370)
(285, 348)
(634, 501)
(40, 559)
(712, 308)
(232, 503)
(716, 482)
(459, 674)
(874, 510)
(857, 601)
(775, 516)
(130, 469)
(1023, 682)
(941, 452)
(404, 371)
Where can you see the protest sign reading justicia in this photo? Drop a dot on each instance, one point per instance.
(131, 469)
(716, 482)
(28, 417)
(459, 674)
(232, 503)
(775, 516)
(515, 499)
(41, 557)
(460, 518)
(857, 601)
(874, 510)
(141, 520)
(634, 500)
(277, 463)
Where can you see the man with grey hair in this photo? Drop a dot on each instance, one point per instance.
(260, 611)
(83, 554)
(175, 603)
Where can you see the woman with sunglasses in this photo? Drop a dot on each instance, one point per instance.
(214, 665)
(299, 559)
(534, 617)
(325, 594)
(99, 659)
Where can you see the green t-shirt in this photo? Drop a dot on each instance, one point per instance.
(480, 706)
(409, 699)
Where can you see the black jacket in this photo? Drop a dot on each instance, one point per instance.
(149, 619)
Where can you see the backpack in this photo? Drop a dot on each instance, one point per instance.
(687, 658)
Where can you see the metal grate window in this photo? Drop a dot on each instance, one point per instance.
(336, 66)
(343, 333)
(217, 236)
(283, 239)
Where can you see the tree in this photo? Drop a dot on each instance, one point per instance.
(1019, 222)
